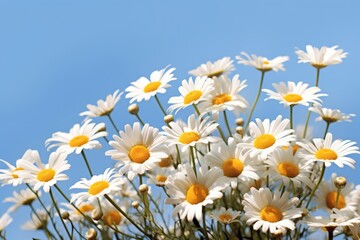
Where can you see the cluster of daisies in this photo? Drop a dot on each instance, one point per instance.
(202, 178)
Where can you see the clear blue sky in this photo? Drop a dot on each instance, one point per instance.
(57, 56)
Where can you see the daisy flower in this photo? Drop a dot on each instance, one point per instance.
(10, 175)
(327, 151)
(192, 92)
(330, 115)
(85, 208)
(270, 211)
(265, 137)
(320, 58)
(294, 94)
(137, 150)
(111, 216)
(144, 89)
(287, 168)
(327, 194)
(21, 198)
(225, 216)
(5, 220)
(38, 221)
(160, 175)
(232, 161)
(220, 67)
(197, 131)
(262, 63)
(225, 96)
(103, 107)
(99, 185)
(79, 138)
(45, 175)
(192, 192)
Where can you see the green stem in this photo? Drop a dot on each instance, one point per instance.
(161, 107)
(291, 116)
(46, 230)
(326, 129)
(87, 163)
(227, 123)
(256, 100)
(113, 123)
(196, 110)
(138, 117)
(337, 197)
(221, 133)
(193, 160)
(204, 224)
(317, 185)
(59, 213)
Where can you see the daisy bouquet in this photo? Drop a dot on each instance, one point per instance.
(201, 177)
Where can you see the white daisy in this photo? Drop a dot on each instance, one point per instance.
(79, 138)
(327, 194)
(35, 223)
(99, 185)
(327, 151)
(5, 220)
(225, 215)
(103, 107)
(197, 131)
(221, 67)
(322, 57)
(265, 137)
(262, 63)
(192, 92)
(137, 150)
(21, 198)
(85, 208)
(287, 168)
(193, 192)
(45, 175)
(160, 175)
(111, 216)
(330, 115)
(225, 96)
(232, 161)
(270, 211)
(144, 89)
(10, 175)
(293, 94)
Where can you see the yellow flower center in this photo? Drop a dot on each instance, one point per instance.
(97, 187)
(139, 153)
(264, 141)
(192, 96)
(318, 65)
(189, 137)
(215, 74)
(266, 62)
(225, 217)
(165, 162)
(85, 208)
(329, 119)
(232, 167)
(292, 97)
(46, 175)
(288, 169)
(326, 154)
(78, 141)
(221, 99)
(161, 178)
(271, 214)
(331, 200)
(152, 86)
(13, 172)
(196, 193)
(112, 218)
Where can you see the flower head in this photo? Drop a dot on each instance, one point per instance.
(21, 198)
(262, 63)
(221, 67)
(330, 115)
(225, 215)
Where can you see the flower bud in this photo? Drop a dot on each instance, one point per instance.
(133, 109)
(96, 214)
(168, 118)
(240, 130)
(143, 188)
(91, 234)
(65, 215)
(239, 122)
(135, 204)
(340, 182)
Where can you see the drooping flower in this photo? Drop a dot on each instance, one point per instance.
(225, 216)
(21, 198)
(262, 63)
(330, 115)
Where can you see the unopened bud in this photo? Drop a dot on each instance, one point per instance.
(103, 129)
(133, 109)
(135, 204)
(168, 119)
(240, 130)
(96, 214)
(143, 188)
(65, 215)
(278, 233)
(340, 182)
(239, 122)
(91, 234)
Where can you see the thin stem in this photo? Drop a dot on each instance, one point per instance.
(326, 129)
(227, 123)
(193, 160)
(196, 110)
(337, 197)
(204, 224)
(256, 100)
(317, 185)
(59, 213)
(87, 163)
(291, 116)
(331, 234)
(221, 133)
(46, 230)
(112, 122)
(161, 107)
(138, 117)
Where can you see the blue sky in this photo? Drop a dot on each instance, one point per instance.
(58, 56)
